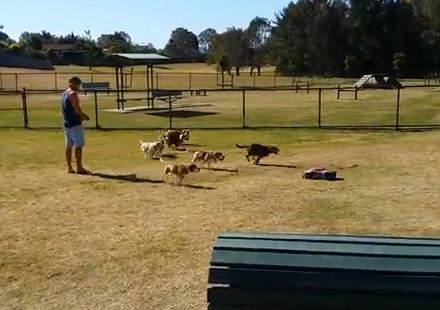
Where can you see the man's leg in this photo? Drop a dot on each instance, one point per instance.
(68, 153)
(79, 142)
(78, 158)
(69, 159)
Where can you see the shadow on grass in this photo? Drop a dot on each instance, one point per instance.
(181, 113)
(278, 166)
(221, 169)
(328, 180)
(169, 156)
(132, 178)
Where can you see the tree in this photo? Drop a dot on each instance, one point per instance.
(182, 44)
(398, 62)
(231, 45)
(118, 42)
(205, 40)
(258, 34)
(144, 49)
(92, 51)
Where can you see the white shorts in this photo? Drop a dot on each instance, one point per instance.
(74, 136)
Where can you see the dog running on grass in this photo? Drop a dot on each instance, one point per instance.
(152, 149)
(176, 137)
(178, 170)
(258, 151)
(204, 157)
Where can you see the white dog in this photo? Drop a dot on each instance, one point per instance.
(152, 149)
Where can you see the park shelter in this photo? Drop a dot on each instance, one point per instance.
(121, 60)
(382, 81)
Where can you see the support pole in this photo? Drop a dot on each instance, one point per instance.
(56, 81)
(243, 114)
(319, 107)
(190, 81)
(338, 96)
(25, 114)
(118, 100)
(356, 93)
(170, 112)
(96, 111)
(16, 81)
(398, 109)
(122, 89)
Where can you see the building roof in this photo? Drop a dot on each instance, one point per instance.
(125, 59)
(142, 56)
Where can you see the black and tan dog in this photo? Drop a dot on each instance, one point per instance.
(175, 137)
(258, 151)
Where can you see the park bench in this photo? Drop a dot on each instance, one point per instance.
(96, 87)
(163, 94)
(279, 271)
(198, 92)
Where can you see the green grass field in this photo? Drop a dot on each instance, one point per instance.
(119, 241)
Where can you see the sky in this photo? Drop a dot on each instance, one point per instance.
(144, 20)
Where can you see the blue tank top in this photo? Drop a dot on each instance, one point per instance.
(71, 119)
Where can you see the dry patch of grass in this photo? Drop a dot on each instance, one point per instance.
(74, 242)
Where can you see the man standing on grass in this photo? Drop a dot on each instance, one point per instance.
(73, 129)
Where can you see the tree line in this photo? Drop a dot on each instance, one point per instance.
(313, 37)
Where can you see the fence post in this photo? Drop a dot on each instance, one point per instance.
(319, 107)
(338, 96)
(56, 81)
(24, 102)
(296, 88)
(96, 111)
(91, 77)
(275, 81)
(171, 112)
(190, 81)
(356, 93)
(255, 80)
(308, 87)
(223, 80)
(243, 114)
(16, 81)
(398, 109)
(232, 80)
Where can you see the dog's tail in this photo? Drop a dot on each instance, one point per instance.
(242, 146)
(161, 160)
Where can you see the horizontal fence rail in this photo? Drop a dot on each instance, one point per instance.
(298, 106)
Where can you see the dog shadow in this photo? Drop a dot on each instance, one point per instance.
(132, 178)
(328, 180)
(169, 156)
(192, 144)
(278, 166)
(220, 169)
(125, 177)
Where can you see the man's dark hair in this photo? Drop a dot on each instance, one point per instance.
(75, 80)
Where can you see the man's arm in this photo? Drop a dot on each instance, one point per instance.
(73, 97)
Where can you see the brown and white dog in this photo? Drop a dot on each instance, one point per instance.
(178, 170)
(203, 157)
(152, 149)
(176, 137)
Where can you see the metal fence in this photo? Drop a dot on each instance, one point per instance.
(56, 80)
(297, 107)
